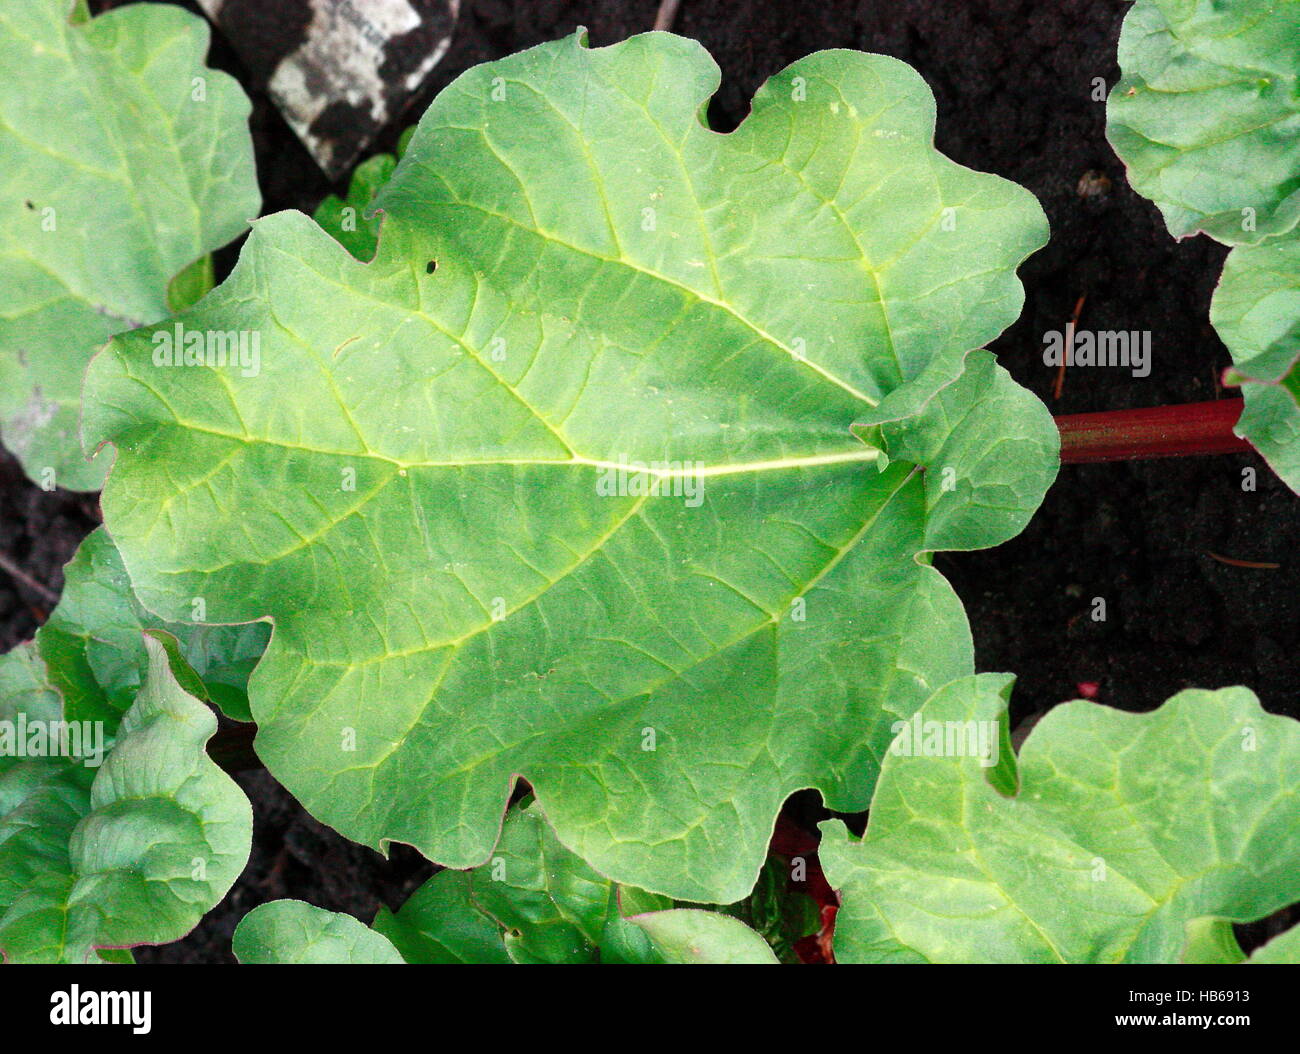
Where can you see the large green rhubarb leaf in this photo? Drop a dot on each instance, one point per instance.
(132, 852)
(1114, 837)
(1256, 310)
(123, 161)
(564, 483)
(1207, 114)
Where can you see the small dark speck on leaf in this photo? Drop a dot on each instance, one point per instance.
(430, 267)
(29, 204)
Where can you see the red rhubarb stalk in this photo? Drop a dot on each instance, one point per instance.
(1157, 431)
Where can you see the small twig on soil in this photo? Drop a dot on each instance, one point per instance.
(45, 592)
(1232, 561)
(667, 13)
(1069, 343)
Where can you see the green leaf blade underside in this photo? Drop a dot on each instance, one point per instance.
(576, 278)
(1256, 311)
(1122, 834)
(1206, 115)
(290, 931)
(133, 852)
(115, 178)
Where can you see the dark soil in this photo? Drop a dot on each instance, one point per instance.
(1013, 80)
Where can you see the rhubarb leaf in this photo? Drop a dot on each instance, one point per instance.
(440, 923)
(289, 931)
(1206, 115)
(132, 852)
(1256, 311)
(352, 220)
(563, 483)
(93, 652)
(1102, 842)
(126, 160)
(983, 480)
(691, 936)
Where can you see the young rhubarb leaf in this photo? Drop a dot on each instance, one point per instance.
(690, 936)
(1206, 115)
(132, 852)
(440, 923)
(1102, 842)
(1256, 311)
(563, 483)
(126, 160)
(289, 931)
(351, 220)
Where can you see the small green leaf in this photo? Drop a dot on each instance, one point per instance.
(688, 935)
(289, 931)
(126, 160)
(991, 450)
(1124, 829)
(533, 902)
(135, 852)
(553, 907)
(440, 923)
(1207, 115)
(536, 902)
(1256, 311)
(349, 219)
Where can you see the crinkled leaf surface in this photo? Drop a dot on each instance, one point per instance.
(1256, 311)
(92, 653)
(289, 931)
(1207, 114)
(123, 159)
(983, 480)
(1109, 834)
(134, 852)
(426, 486)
